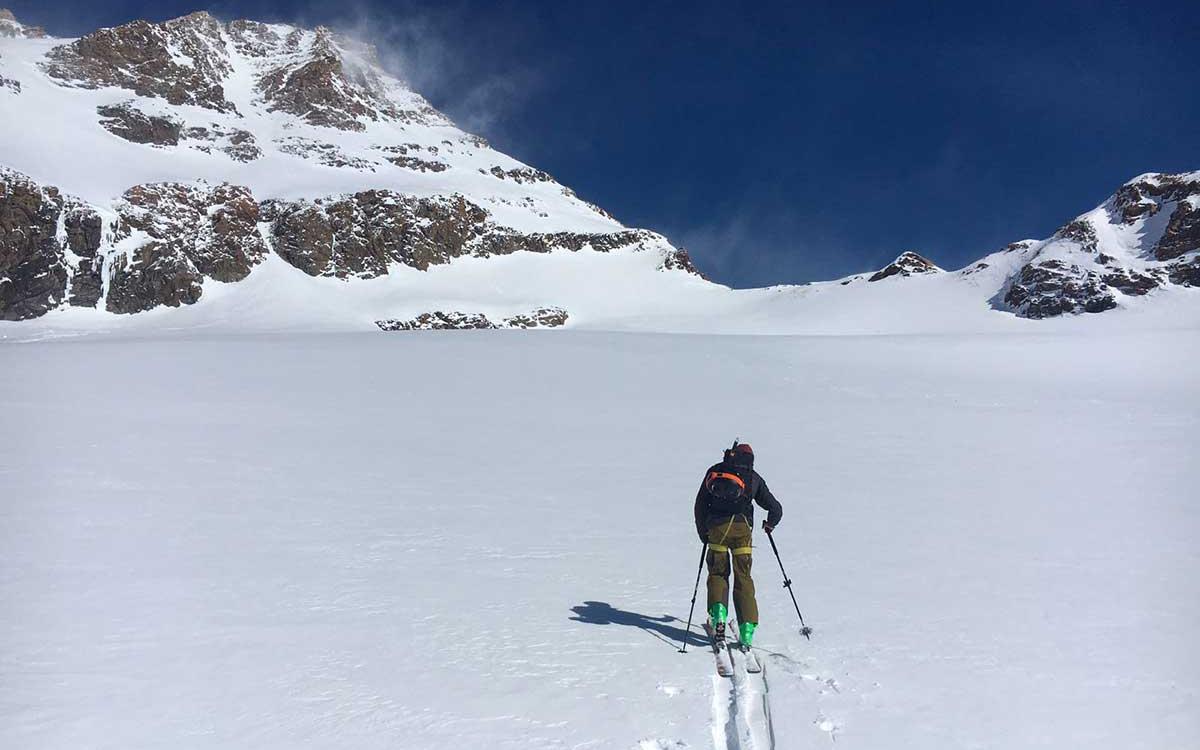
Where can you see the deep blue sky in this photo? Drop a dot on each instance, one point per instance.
(799, 141)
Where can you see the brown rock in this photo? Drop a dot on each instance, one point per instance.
(33, 274)
(906, 264)
(1185, 273)
(1182, 234)
(418, 165)
(544, 317)
(85, 233)
(325, 153)
(155, 274)
(1081, 232)
(522, 174)
(213, 229)
(10, 27)
(141, 57)
(320, 89)
(1051, 288)
(128, 122)
(438, 321)
(237, 144)
(1131, 282)
(680, 260)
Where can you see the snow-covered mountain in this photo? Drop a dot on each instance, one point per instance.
(263, 175)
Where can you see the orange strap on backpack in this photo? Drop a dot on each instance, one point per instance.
(713, 476)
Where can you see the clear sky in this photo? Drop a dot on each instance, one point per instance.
(795, 141)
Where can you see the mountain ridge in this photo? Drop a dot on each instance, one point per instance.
(196, 149)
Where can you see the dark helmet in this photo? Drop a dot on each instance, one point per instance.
(740, 455)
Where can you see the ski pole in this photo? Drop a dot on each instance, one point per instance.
(787, 584)
(696, 590)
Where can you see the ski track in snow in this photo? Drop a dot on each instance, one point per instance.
(741, 708)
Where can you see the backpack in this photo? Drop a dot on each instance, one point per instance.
(728, 485)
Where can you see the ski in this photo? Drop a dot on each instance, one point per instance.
(753, 666)
(720, 653)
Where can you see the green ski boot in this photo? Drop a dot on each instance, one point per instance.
(717, 614)
(747, 633)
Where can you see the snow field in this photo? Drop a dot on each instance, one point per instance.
(468, 540)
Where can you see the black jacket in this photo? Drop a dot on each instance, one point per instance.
(757, 491)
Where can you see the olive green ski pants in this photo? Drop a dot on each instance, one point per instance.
(727, 538)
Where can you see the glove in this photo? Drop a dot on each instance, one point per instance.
(768, 527)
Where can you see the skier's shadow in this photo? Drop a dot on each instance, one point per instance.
(603, 613)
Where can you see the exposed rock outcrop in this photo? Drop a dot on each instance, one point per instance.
(1051, 287)
(1182, 234)
(361, 234)
(1186, 272)
(417, 164)
(521, 174)
(312, 88)
(1131, 282)
(33, 273)
(1149, 194)
(680, 260)
(235, 143)
(11, 27)
(1157, 220)
(1081, 232)
(323, 83)
(84, 229)
(150, 276)
(128, 122)
(907, 264)
(324, 153)
(546, 317)
(188, 233)
(413, 156)
(439, 321)
(182, 61)
(317, 76)
(214, 228)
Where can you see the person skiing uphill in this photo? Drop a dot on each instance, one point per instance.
(725, 521)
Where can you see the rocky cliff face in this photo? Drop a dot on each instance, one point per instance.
(49, 249)
(361, 235)
(165, 239)
(1121, 250)
(181, 61)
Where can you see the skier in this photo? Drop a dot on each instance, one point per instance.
(725, 520)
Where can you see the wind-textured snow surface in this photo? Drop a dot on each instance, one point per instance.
(485, 540)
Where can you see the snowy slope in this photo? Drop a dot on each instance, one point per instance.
(58, 139)
(417, 542)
